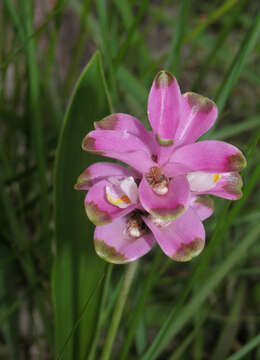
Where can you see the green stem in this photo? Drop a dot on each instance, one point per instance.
(92, 353)
(128, 278)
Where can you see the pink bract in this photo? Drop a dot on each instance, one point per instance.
(163, 196)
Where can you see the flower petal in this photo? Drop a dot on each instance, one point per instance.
(183, 239)
(164, 105)
(100, 171)
(99, 210)
(201, 181)
(168, 206)
(113, 244)
(121, 193)
(198, 115)
(228, 186)
(127, 122)
(203, 206)
(209, 156)
(120, 145)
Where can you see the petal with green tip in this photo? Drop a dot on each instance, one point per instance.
(120, 145)
(100, 171)
(182, 239)
(198, 115)
(228, 187)
(210, 156)
(99, 210)
(115, 245)
(121, 122)
(164, 106)
(168, 206)
(203, 206)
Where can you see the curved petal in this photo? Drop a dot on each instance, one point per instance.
(209, 156)
(168, 206)
(174, 169)
(100, 171)
(127, 122)
(198, 115)
(120, 145)
(99, 210)
(164, 106)
(201, 181)
(228, 187)
(203, 206)
(183, 239)
(113, 244)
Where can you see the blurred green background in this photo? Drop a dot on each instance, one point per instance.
(56, 296)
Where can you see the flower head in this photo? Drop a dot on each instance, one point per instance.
(163, 196)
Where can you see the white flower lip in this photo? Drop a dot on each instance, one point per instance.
(122, 193)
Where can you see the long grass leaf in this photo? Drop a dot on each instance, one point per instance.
(124, 47)
(213, 16)
(172, 62)
(220, 41)
(36, 120)
(236, 67)
(240, 354)
(211, 283)
(77, 267)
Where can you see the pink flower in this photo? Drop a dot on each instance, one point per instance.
(163, 196)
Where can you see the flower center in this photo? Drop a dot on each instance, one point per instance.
(135, 226)
(158, 181)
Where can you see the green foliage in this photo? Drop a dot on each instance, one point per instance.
(57, 298)
(77, 269)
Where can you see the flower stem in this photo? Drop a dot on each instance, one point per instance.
(128, 278)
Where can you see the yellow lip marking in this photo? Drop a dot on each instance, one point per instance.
(124, 199)
(217, 177)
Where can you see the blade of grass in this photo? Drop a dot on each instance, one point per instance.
(141, 336)
(211, 283)
(235, 69)
(117, 314)
(92, 352)
(219, 43)
(36, 121)
(240, 354)
(15, 19)
(55, 10)
(130, 84)
(103, 10)
(139, 308)
(80, 318)
(213, 16)
(77, 268)
(188, 340)
(237, 129)
(172, 62)
(78, 46)
(131, 32)
(10, 328)
(229, 331)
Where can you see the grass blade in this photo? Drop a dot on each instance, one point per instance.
(173, 60)
(218, 44)
(211, 283)
(229, 331)
(238, 63)
(77, 268)
(246, 349)
(36, 120)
